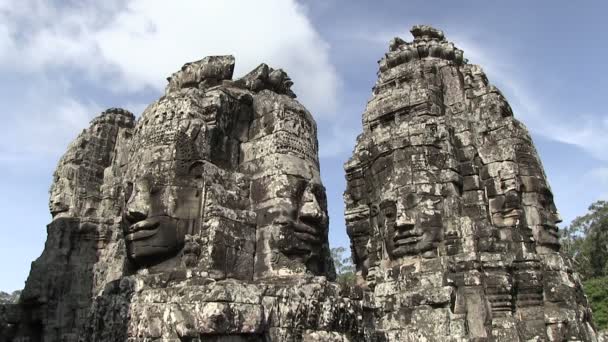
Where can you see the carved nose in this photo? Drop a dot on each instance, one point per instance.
(558, 218)
(404, 220)
(137, 207)
(57, 202)
(312, 210)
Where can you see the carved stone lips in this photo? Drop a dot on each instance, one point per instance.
(407, 241)
(58, 208)
(511, 213)
(60, 213)
(306, 232)
(406, 238)
(142, 230)
(551, 228)
(551, 233)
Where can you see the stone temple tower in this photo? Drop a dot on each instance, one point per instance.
(206, 219)
(450, 215)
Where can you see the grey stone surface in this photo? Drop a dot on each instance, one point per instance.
(9, 315)
(451, 219)
(206, 220)
(185, 308)
(224, 177)
(81, 250)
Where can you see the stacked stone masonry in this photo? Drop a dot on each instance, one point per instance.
(206, 218)
(451, 219)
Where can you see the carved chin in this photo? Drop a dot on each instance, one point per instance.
(149, 251)
(300, 239)
(405, 250)
(549, 237)
(59, 210)
(152, 241)
(507, 218)
(290, 93)
(60, 214)
(413, 246)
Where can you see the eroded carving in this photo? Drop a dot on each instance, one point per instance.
(463, 206)
(207, 219)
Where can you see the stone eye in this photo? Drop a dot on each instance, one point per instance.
(154, 189)
(389, 214)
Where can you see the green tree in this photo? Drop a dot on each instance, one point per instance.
(585, 240)
(345, 270)
(597, 293)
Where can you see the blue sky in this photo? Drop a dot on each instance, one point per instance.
(63, 62)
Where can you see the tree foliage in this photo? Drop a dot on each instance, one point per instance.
(344, 266)
(585, 240)
(597, 293)
(10, 298)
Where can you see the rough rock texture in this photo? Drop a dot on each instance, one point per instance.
(205, 220)
(223, 177)
(9, 314)
(178, 308)
(451, 219)
(226, 218)
(82, 244)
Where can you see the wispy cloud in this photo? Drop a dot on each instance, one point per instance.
(50, 48)
(41, 117)
(338, 138)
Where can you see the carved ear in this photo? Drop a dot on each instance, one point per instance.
(196, 169)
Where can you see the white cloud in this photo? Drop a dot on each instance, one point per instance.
(131, 47)
(150, 40)
(144, 42)
(338, 138)
(42, 120)
(588, 132)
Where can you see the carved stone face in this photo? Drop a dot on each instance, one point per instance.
(60, 200)
(506, 209)
(162, 206)
(291, 225)
(410, 224)
(547, 233)
(302, 217)
(359, 223)
(280, 81)
(158, 220)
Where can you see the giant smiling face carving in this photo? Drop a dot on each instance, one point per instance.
(410, 223)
